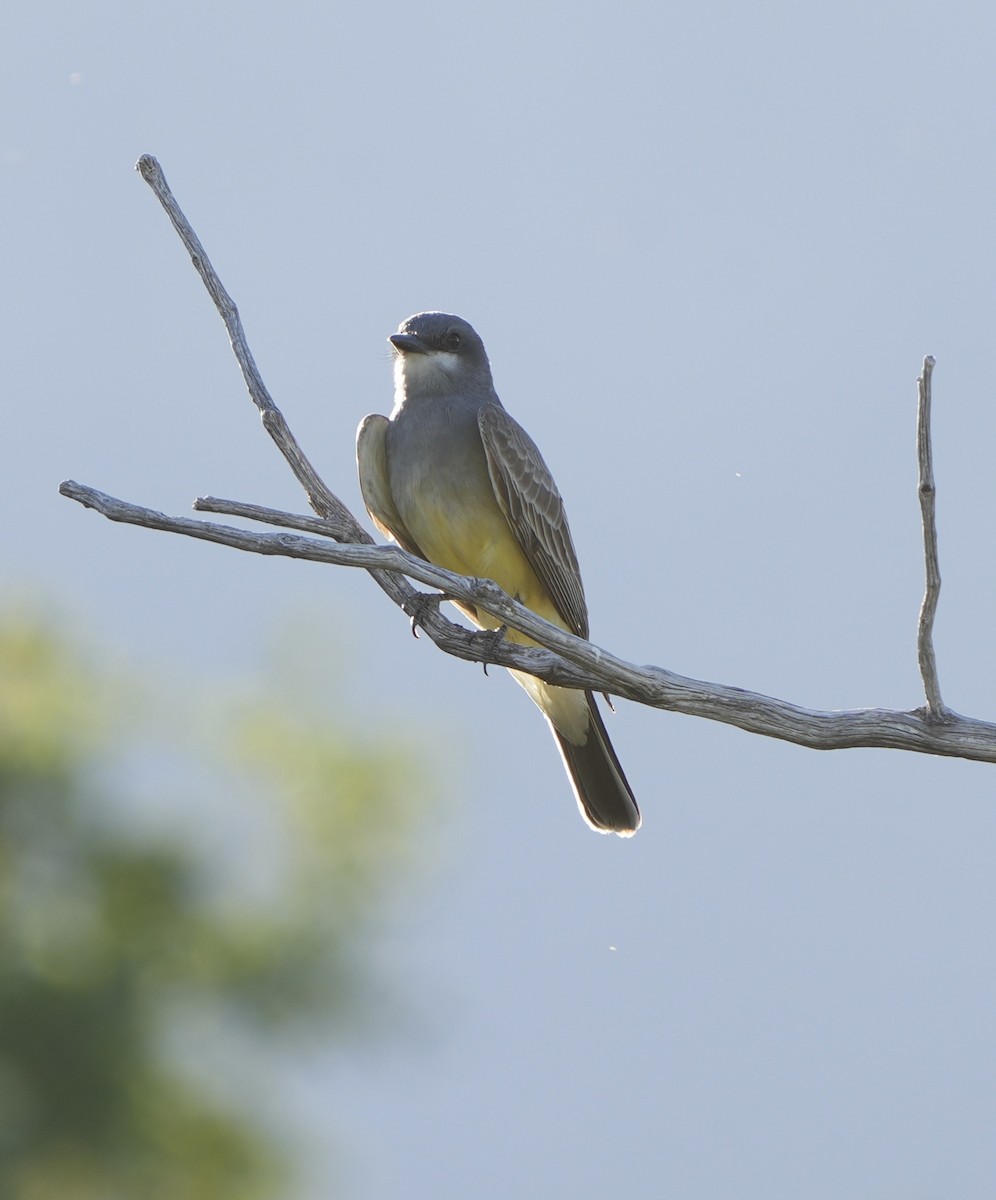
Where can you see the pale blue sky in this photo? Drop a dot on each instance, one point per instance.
(707, 247)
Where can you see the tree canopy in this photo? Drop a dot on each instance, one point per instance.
(112, 933)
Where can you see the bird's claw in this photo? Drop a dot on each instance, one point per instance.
(491, 639)
(420, 603)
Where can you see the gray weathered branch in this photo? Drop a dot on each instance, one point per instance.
(575, 662)
(338, 520)
(565, 660)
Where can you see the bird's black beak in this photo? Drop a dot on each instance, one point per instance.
(408, 343)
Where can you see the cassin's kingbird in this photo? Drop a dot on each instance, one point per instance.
(452, 478)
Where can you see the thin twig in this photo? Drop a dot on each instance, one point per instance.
(344, 525)
(341, 524)
(936, 709)
(259, 512)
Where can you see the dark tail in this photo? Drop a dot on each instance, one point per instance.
(605, 798)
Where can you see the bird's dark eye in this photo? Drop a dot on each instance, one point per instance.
(453, 340)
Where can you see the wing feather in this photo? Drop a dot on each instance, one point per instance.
(375, 484)
(528, 496)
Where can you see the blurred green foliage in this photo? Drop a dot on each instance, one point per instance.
(115, 937)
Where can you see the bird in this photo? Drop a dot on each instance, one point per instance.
(454, 479)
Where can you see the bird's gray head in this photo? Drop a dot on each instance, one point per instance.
(437, 353)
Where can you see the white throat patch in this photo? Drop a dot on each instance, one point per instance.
(425, 372)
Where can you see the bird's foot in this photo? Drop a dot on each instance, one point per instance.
(420, 604)
(490, 640)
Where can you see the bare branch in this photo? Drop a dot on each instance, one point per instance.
(578, 663)
(391, 559)
(341, 524)
(925, 633)
(259, 512)
(566, 660)
(344, 526)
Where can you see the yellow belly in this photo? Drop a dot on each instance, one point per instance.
(477, 540)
